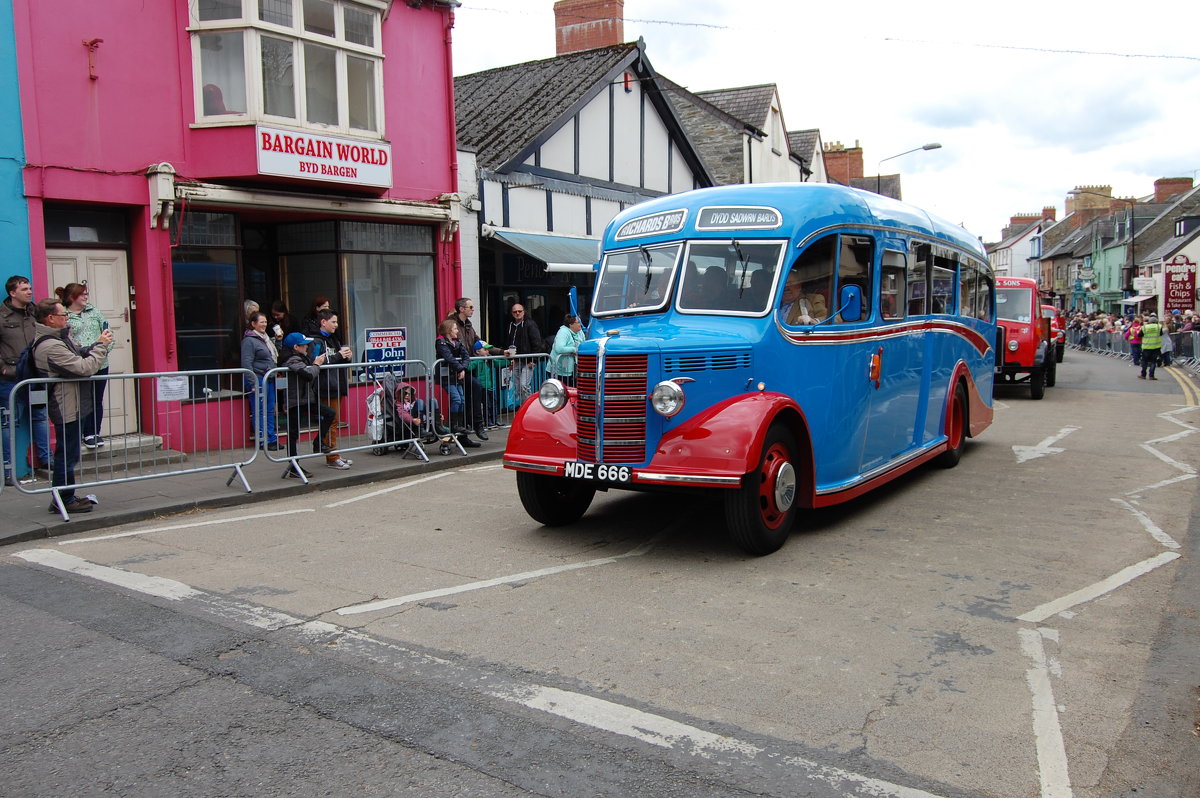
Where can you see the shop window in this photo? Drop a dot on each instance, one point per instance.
(314, 62)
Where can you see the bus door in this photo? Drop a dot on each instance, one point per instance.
(897, 361)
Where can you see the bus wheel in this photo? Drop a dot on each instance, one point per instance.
(760, 513)
(956, 429)
(1037, 384)
(553, 501)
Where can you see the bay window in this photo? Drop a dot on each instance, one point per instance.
(315, 63)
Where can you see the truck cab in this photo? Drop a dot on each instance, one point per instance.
(1025, 353)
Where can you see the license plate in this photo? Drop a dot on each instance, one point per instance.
(597, 472)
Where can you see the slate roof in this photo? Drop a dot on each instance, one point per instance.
(751, 104)
(884, 185)
(804, 142)
(500, 111)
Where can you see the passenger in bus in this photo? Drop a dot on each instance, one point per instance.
(712, 291)
(798, 306)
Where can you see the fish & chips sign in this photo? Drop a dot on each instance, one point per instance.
(1179, 284)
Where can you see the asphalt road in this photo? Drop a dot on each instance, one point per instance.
(1022, 625)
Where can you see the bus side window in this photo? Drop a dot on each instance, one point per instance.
(918, 288)
(892, 301)
(813, 274)
(854, 268)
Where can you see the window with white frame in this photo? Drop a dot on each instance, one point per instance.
(314, 63)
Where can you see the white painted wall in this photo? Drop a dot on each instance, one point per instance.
(526, 208)
(468, 228)
(627, 143)
(570, 215)
(593, 140)
(559, 152)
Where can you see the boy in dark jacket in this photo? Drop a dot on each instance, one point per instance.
(302, 375)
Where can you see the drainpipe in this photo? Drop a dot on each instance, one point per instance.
(453, 246)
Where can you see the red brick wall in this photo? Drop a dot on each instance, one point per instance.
(588, 24)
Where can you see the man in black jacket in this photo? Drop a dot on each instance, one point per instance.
(334, 383)
(524, 338)
(16, 333)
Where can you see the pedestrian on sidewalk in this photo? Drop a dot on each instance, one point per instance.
(55, 354)
(259, 355)
(334, 384)
(87, 322)
(302, 403)
(1151, 346)
(17, 332)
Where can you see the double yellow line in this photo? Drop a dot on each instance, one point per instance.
(1190, 394)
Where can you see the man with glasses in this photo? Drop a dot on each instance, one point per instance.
(16, 333)
(464, 309)
(524, 338)
(57, 355)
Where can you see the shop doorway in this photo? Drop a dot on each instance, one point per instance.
(106, 274)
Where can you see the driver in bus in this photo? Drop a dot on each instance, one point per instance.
(799, 307)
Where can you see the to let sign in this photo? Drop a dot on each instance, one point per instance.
(1179, 284)
(387, 345)
(290, 153)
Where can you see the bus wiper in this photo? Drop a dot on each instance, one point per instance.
(745, 265)
(648, 259)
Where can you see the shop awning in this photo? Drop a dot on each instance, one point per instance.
(559, 253)
(1137, 300)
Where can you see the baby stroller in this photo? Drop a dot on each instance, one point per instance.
(387, 428)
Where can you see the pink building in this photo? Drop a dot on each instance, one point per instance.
(185, 155)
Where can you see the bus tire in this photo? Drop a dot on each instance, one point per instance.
(760, 513)
(956, 429)
(553, 501)
(1037, 383)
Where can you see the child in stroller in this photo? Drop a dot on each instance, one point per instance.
(395, 413)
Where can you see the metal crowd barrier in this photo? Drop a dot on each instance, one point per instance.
(366, 418)
(154, 425)
(176, 423)
(490, 393)
(1185, 346)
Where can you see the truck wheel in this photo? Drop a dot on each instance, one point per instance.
(956, 429)
(1051, 374)
(1061, 350)
(553, 501)
(1037, 384)
(760, 513)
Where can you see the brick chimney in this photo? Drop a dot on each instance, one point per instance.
(1049, 213)
(1167, 187)
(588, 24)
(843, 163)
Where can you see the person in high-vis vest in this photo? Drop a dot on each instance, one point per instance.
(1152, 333)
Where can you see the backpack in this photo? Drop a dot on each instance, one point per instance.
(26, 369)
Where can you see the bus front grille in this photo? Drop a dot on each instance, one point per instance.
(612, 408)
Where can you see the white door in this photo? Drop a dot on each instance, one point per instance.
(106, 274)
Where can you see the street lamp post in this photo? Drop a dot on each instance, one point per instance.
(1132, 225)
(933, 145)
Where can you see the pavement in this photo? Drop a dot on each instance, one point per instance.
(24, 516)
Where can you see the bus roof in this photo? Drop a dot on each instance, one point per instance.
(806, 207)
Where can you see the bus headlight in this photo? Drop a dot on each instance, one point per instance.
(553, 395)
(667, 398)
(1013, 345)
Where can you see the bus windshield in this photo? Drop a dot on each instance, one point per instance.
(1013, 304)
(729, 276)
(636, 279)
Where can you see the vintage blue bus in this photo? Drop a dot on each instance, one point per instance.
(792, 346)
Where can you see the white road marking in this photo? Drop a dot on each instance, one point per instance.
(150, 585)
(1151, 527)
(1094, 591)
(1051, 752)
(1184, 467)
(384, 604)
(382, 491)
(1042, 448)
(174, 527)
(666, 733)
(597, 713)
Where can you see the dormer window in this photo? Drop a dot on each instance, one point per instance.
(313, 63)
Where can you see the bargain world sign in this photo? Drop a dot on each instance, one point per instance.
(289, 153)
(1179, 284)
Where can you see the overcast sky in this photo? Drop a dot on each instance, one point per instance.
(1027, 101)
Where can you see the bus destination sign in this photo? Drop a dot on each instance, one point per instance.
(738, 218)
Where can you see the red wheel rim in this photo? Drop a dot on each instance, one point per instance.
(776, 486)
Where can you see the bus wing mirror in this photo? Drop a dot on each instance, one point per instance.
(851, 303)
